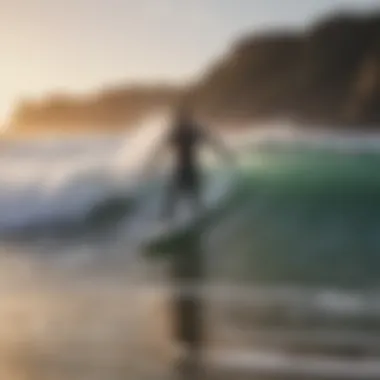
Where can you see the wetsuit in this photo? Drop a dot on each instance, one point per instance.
(185, 140)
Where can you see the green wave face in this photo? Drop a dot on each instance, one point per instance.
(306, 217)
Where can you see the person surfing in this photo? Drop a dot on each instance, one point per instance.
(185, 139)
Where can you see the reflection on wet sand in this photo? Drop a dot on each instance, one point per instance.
(64, 328)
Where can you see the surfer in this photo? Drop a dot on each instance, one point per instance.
(185, 139)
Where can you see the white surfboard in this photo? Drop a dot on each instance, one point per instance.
(186, 218)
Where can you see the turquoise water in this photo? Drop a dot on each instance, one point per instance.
(307, 217)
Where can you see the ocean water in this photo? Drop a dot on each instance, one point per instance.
(293, 249)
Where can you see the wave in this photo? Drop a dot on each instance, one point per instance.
(58, 182)
(308, 217)
(62, 184)
(91, 183)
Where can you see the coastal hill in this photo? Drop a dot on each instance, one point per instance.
(110, 110)
(326, 74)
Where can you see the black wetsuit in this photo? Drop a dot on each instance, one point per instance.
(185, 141)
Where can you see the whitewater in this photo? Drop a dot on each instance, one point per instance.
(62, 179)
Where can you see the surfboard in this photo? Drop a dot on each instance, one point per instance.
(172, 236)
(178, 238)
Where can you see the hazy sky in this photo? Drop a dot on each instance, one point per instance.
(79, 45)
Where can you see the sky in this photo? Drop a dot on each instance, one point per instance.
(49, 46)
